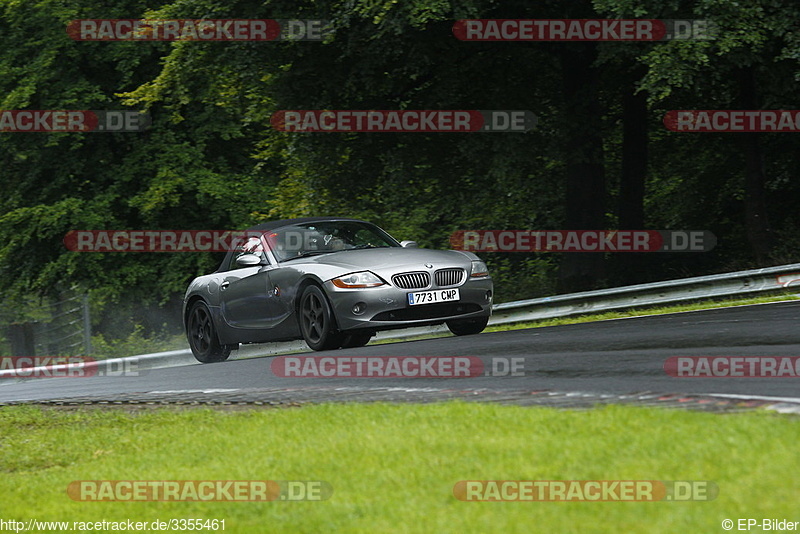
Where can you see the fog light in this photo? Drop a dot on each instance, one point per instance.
(359, 308)
(489, 295)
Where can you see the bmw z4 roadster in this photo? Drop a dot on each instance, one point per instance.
(333, 282)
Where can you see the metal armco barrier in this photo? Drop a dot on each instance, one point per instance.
(740, 283)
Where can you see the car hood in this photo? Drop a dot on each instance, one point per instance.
(393, 259)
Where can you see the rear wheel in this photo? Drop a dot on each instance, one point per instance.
(467, 327)
(316, 321)
(202, 335)
(356, 339)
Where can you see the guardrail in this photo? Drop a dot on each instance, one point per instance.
(740, 283)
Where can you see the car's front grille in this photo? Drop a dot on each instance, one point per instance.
(418, 280)
(448, 277)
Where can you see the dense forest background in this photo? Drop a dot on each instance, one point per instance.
(600, 156)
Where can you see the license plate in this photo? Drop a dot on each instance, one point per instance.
(432, 297)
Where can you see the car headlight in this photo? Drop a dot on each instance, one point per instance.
(358, 280)
(479, 269)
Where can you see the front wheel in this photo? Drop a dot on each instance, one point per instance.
(467, 327)
(202, 335)
(316, 321)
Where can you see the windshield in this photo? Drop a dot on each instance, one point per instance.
(324, 237)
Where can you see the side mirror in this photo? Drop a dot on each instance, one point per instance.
(408, 244)
(247, 260)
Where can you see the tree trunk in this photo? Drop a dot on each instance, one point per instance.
(759, 235)
(634, 160)
(585, 191)
(631, 266)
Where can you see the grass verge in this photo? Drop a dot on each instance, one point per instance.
(393, 467)
(641, 312)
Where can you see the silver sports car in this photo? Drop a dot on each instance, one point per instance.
(333, 282)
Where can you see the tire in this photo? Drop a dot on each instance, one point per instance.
(202, 335)
(468, 327)
(316, 321)
(356, 339)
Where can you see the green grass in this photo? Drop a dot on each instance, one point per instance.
(393, 467)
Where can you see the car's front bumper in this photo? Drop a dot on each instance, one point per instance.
(386, 307)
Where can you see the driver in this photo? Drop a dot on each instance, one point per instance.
(253, 245)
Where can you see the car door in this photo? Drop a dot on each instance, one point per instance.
(246, 294)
